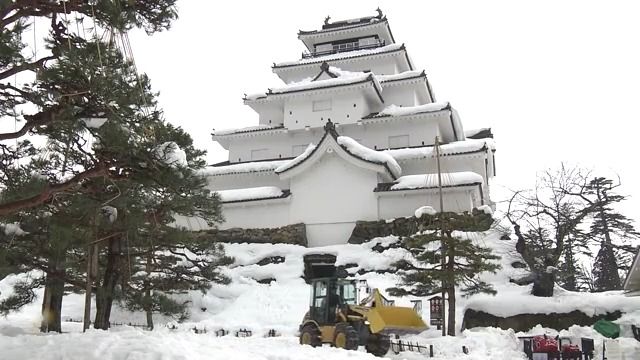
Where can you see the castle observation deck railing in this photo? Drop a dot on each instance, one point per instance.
(345, 47)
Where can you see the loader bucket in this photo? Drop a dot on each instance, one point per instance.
(396, 320)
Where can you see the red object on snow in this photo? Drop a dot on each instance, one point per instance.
(570, 349)
(545, 344)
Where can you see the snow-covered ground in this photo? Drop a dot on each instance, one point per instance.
(280, 305)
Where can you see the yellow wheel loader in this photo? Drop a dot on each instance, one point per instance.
(335, 318)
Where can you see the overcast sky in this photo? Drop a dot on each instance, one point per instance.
(555, 80)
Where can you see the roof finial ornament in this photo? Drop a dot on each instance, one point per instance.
(326, 20)
(379, 13)
(330, 127)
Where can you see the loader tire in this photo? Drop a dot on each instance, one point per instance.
(378, 345)
(310, 335)
(345, 337)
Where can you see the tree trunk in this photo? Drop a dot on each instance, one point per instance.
(451, 321)
(148, 301)
(52, 302)
(451, 289)
(105, 292)
(543, 283)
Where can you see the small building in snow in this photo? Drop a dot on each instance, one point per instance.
(632, 281)
(349, 136)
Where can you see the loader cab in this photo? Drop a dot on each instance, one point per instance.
(328, 295)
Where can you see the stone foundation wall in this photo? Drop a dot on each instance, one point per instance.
(291, 234)
(407, 226)
(524, 322)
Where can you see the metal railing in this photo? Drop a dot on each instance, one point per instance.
(337, 49)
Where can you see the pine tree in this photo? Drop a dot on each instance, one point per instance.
(70, 83)
(426, 274)
(103, 148)
(48, 244)
(610, 230)
(570, 270)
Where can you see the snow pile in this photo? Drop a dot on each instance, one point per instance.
(428, 210)
(171, 154)
(457, 147)
(365, 153)
(343, 55)
(243, 168)
(128, 343)
(431, 180)
(518, 300)
(395, 110)
(94, 123)
(486, 209)
(245, 129)
(280, 305)
(255, 193)
(13, 229)
(297, 160)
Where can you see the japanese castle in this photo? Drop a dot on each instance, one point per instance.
(349, 136)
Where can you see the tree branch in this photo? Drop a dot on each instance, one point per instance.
(26, 66)
(50, 190)
(39, 119)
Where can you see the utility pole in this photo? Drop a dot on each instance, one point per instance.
(87, 295)
(442, 243)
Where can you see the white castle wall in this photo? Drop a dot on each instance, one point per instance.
(248, 180)
(330, 197)
(397, 204)
(371, 135)
(256, 214)
(346, 107)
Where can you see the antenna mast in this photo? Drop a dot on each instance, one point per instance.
(442, 243)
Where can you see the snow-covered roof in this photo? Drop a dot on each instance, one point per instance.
(395, 110)
(298, 159)
(343, 55)
(365, 153)
(467, 146)
(430, 181)
(342, 78)
(411, 74)
(479, 133)
(350, 147)
(632, 282)
(247, 129)
(242, 168)
(251, 194)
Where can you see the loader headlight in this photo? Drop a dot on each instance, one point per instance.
(366, 322)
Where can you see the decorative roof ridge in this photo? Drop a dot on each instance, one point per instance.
(281, 65)
(303, 33)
